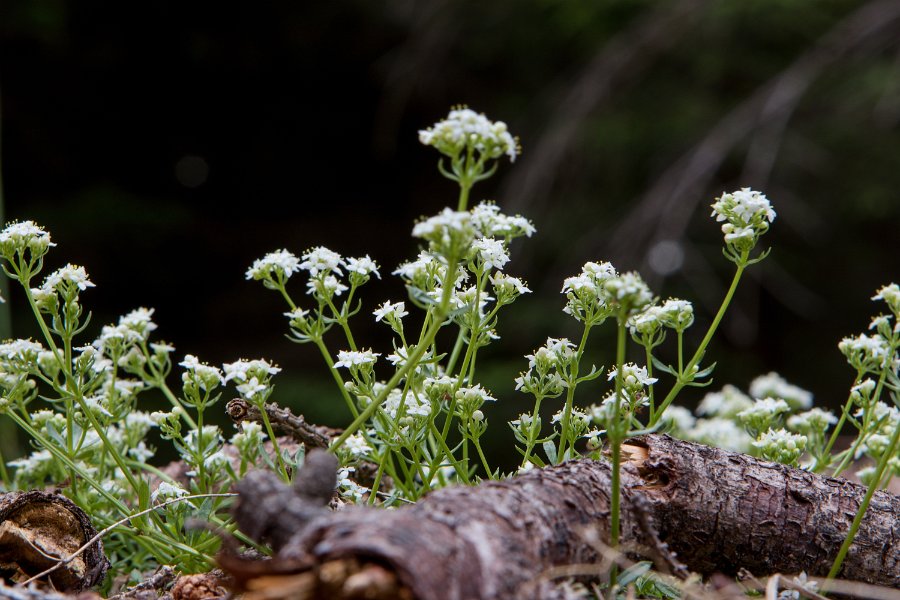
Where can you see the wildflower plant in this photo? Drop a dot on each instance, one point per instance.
(416, 409)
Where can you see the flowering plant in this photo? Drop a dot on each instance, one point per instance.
(417, 410)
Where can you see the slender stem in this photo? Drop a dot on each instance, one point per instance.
(320, 344)
(687, 374)
(649, 357)
(854, 527)
(615, 439)
(533, 433)
(570, 395)
(866, 428)
(484, 462)
(826, 452)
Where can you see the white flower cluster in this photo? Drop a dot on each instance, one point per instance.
(746, 215)
(17, 237)
(252, 377)
(464, 128)
(548, 368)
(781, 446)
(773, 385)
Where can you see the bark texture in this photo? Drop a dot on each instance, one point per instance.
(718, 510)
(37, 529)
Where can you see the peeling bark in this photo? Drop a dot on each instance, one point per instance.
(718, 510)
(37, 529)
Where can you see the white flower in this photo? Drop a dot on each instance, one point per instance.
(507, 285)
(491, 252)
(141, 452)
(162, 348)
(321, 259)
(443, 225)
(16, 237)
(580, 283)
(251, 387)
(70, 273)
(767, 408)
(680, 418)
(781, 446)
(206, 377)
(632, 375)
(891, 295)
(743, 206)
(629, 290)
(814, 419)
(279, 262)
(726, 403)
(325, 287)
(357, 446)
(389, 310)
(139, 320)
(351, 358)
(167, 490)
(775, 386)
(244, 370)
(463, 127)
(722, 433)
(362, 266)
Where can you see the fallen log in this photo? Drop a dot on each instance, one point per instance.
(718, 511)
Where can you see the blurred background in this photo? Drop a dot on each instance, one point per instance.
(167, 148)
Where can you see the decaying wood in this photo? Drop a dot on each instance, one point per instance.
(282, 419)
(37, 530)
(718, 511)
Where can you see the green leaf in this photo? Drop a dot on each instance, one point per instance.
(658, 364)
(630, 574)
(550, 451)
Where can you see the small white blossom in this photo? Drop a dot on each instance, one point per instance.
(396, 310)
(505, 284)
(891, 295)
(139, 320)
(321, 259)
(767, 408)
(775, 386)
(781, 446)
(325, 287)
(17, 237)
(70, 274)
(722, 433)
(364, 266)
(207, 377)
(681, 418)
(280, 262)
(167, 490)
(357, 446)
(243, 369)
(813, 420)
(351, 358)
(491, 252)
(726, 403)
(463, 127)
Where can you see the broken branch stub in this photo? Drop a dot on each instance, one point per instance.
(40, 529)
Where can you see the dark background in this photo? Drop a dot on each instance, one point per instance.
(167, 145)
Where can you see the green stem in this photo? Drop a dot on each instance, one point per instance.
(615, 437)
(320, 344)
(570, 394)
(686, 376)
(532, 430)
(867, 428)
(826, 452)
(484, 462)
(854, 527)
